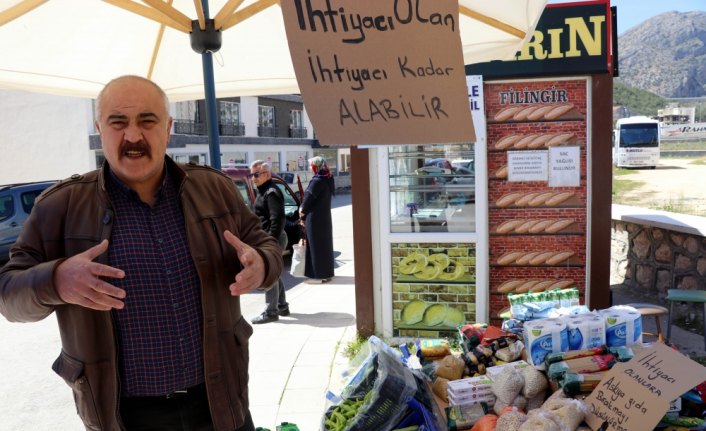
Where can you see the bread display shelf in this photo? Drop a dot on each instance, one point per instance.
(533, 285)
(538, 199)
(535, 141)
(537, 227)
(536, 113)
(571, 262)
(537, 258)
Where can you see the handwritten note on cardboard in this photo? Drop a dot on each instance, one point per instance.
(380, 71)
(635, 395)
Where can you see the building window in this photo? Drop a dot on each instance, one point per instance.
(345, 165)
(188, 119)
(198, 158)
(234, 159)
(271, 157)
(296, 161)
(331, 157)
(229, 124)
(296, 124)
(266, 121)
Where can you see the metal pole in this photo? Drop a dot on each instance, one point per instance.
(214, 142)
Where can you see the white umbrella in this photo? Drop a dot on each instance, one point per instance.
(74, 47)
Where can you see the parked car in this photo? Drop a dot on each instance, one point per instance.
(292, 201)
(464, 163)
(16, 202)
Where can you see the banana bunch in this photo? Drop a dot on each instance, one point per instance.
(438, 265)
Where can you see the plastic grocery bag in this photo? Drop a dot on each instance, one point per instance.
(298, 260)
(377, 395)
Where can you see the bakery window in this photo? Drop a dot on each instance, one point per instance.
(432, 188)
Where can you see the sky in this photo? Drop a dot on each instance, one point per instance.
(634, 12)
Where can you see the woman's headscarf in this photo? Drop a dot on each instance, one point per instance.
(320, 168)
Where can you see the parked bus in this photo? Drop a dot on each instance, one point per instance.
(636, 142)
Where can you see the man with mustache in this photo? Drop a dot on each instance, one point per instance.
(143, 262)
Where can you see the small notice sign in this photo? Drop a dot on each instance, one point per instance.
(380, 71)
(527, 166)
(565, 167)
(635, 395)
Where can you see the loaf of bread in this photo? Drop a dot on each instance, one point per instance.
(541, 225)
(542, 286)
(509, 257)
(507, 113)
(526, 286)
(559, 257)
(507, 141)
(562, 284)
(558, 111)
(541, 257)
(508, 226)
(522, 114)
(558, 198)
(526, 226)
(501, 172)
(524, 200)
(525, 258)
(540, 199)
(540, 141)
(524, 142)
(559, 225)
(559, 139)
(508, 199)
(539, 113)
(510, 285)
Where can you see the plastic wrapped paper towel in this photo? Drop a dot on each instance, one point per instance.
(544, 336)
(585, 331)
(623, 325)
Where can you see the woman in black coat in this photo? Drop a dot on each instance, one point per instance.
(316, 213)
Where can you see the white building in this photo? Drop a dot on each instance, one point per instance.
(50, 137)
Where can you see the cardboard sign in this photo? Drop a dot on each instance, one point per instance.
(635, 395)
(527, 165)
(380, 71)
(565, 167)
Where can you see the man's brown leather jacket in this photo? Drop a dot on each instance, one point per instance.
(75, 215)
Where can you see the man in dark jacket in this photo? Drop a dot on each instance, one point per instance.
(143, 262)
(269, 206)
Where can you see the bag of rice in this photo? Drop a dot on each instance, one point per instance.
(535, 402)
(539, 420)
(508, 385)
(535, 382)
(511, 420)
(569, 412)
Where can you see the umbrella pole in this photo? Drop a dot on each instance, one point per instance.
(206, 40)
(214, 144)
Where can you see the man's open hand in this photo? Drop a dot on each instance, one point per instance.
(77, 281)
(253, 273)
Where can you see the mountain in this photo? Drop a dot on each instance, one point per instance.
(665, 55)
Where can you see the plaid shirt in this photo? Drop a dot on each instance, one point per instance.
(159, 329)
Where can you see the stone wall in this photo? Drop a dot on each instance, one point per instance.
(649, 255)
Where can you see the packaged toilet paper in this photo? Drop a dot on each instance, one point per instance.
(623, 325)
(544, 336)
(585, 331)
